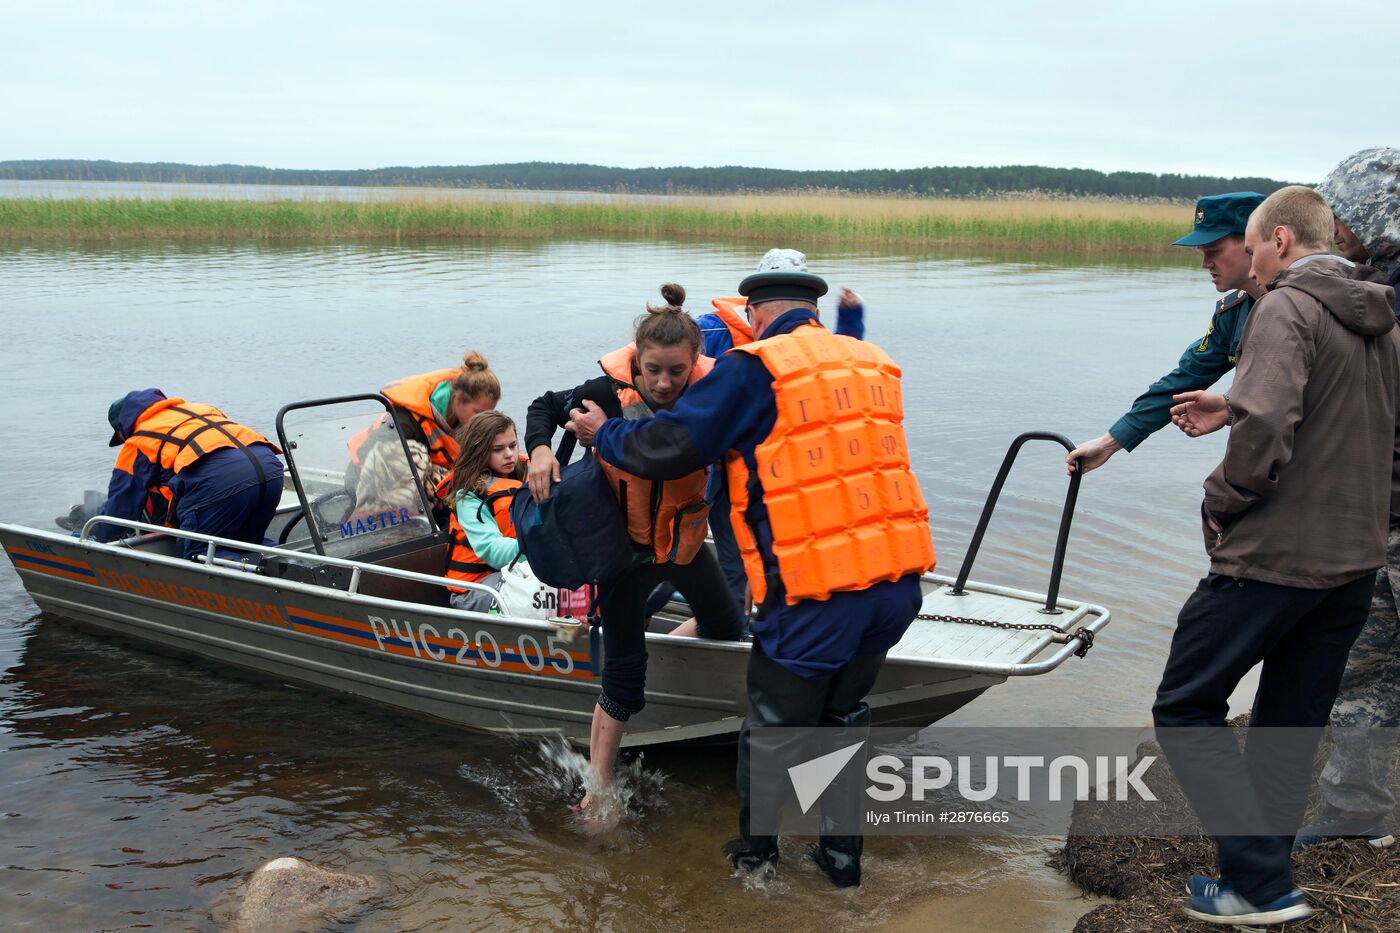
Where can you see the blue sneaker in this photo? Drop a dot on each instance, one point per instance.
(1205, 886)
(1226, 907)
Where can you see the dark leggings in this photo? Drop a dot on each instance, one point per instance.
(624, 620)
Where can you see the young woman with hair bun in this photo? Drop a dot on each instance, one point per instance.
(665, 520)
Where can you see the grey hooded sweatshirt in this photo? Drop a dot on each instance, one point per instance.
(1364, 191)
(1309, 480)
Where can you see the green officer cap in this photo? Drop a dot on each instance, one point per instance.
(114, 412)
(1220, 215)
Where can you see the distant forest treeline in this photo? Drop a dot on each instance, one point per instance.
(943, 181)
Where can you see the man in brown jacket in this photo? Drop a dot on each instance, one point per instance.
(1295, 525)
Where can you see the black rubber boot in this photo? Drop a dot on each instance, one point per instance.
(743, 856)
(838, 850)
(837, 862)
(74, 520)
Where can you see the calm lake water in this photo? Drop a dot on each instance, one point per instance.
(140, 790)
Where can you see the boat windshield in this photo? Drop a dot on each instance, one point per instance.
(356, 482)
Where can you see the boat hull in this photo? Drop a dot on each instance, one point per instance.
(484, 672)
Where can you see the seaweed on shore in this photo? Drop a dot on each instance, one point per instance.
(1355, 888)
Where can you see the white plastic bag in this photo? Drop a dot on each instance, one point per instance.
(524, 596)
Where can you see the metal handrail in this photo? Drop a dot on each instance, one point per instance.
(1066, 515)
(356, 568)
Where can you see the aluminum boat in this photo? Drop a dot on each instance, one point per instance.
(351, 599)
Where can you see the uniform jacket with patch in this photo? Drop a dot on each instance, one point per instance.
(1203, 364)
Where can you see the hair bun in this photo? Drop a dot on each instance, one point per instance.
(673, 294)
(474, 362)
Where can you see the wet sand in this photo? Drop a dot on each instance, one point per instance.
(1015, 903)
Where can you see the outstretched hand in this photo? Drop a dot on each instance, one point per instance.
(1091, 455)
(586, 421)
(1199, 412)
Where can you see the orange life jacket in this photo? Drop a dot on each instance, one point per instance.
(731, 312)
(356, 444)
(174, 433)
(414, 395)
(669, 516)
(463, 563)
(844, 506)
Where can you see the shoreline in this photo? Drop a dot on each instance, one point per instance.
(1088, 228)
(1137, 879)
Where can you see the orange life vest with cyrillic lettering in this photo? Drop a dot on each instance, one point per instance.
(730, 311)
(463, 563)
(844, 506)
(668, 516)
(413, 394)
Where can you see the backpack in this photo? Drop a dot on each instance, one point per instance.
(578, 535)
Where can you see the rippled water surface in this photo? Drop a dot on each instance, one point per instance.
(140, 789)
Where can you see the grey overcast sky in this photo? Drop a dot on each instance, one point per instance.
(1283, 89)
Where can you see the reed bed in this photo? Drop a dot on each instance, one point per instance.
(1088, 226)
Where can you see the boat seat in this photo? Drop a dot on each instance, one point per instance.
(305, 570)
(425, 554)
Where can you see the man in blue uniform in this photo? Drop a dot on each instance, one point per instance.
(814, 656)
(219, 477)
(719, 337)
(1218, 232)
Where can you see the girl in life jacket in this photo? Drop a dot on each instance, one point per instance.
(666, 520)
(487, 471)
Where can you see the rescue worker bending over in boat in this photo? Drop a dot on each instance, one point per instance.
(666, 521)
(809, 425)
(487, 472)
(218, 477)
(428, 408)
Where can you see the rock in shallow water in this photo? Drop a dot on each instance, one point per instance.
(292, 894)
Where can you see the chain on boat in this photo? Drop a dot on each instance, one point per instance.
(1062, 636)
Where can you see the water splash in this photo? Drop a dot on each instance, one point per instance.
(765, 879)
(499, 784)
(634, 791)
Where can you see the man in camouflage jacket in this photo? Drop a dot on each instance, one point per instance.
(1364, 194)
